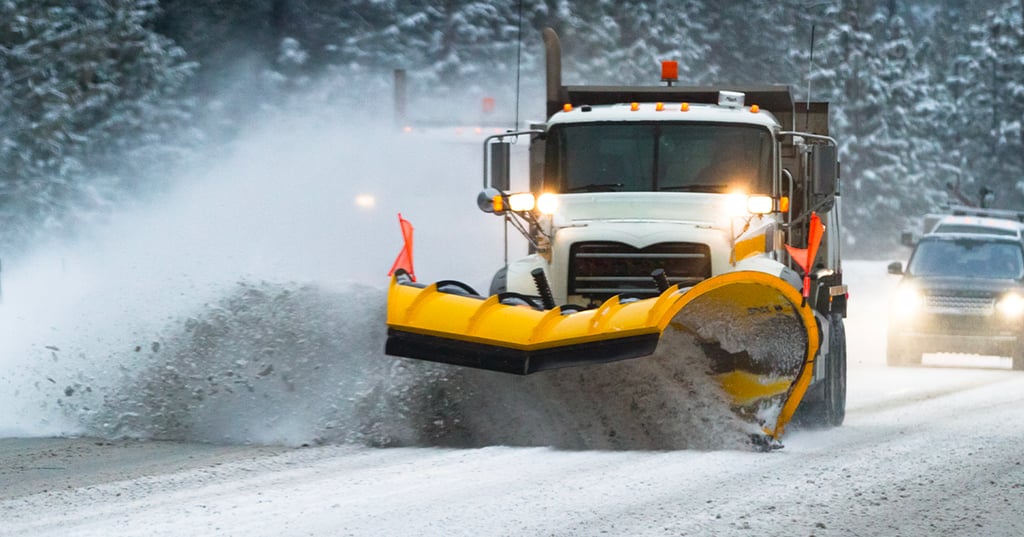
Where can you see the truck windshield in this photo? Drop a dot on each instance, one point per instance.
(968, 258)
(680, 157)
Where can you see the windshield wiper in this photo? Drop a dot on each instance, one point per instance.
(695, 188)
(596, 187)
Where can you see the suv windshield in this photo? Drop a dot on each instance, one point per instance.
(968, 258)
(679, 157)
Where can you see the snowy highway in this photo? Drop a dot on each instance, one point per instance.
(200, 202)
(924, 451)
(161, 379)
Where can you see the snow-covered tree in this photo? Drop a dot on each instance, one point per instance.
(993, 102)
(884, 107)
(88, 104)
(91, 90)
(606, 44)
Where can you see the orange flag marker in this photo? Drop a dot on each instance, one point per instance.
(404, 259)
(804, 257)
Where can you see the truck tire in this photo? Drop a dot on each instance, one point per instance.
(826, 406)
(835, 382)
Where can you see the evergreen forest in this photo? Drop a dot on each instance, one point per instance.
(100, 98)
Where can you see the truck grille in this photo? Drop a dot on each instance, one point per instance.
(961, 305)
(599, 270)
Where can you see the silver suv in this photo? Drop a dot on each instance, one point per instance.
(961, 292)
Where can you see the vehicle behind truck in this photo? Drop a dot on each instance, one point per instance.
(962, 292)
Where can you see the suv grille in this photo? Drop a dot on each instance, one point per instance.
(599, 270)
(963, 305)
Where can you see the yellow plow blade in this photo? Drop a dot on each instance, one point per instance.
(759, 339)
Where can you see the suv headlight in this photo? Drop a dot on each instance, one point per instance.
(908, 301)
(1011, 305)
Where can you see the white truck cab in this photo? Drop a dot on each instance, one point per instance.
(629, 188)
(620, 190)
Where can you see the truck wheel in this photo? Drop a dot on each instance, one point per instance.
(499, 284)
(835, 381)
(827, 406)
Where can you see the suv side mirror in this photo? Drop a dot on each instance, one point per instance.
(896, 268)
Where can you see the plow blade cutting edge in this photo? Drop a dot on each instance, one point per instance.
(759, 337)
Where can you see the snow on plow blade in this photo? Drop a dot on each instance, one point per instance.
(760, 340)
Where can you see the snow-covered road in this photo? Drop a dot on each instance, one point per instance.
(924, 451)
(152, 330)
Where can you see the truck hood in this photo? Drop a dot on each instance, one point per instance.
(711, 210)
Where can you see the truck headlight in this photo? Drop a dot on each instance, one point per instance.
(907, 302)
(740, 203)
(1011, 305)
(760, 204)
(521, 202)
(736, 204)
(547, 203)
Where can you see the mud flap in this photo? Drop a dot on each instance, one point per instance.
(759, 337)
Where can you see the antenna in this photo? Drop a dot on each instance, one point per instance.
(515, 126)
(810, 69)
(519, 60)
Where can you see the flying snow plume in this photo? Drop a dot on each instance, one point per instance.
(288, 203)
(289, 364)
(248, 307)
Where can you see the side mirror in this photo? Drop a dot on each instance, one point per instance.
(485, 200)
(501, 158)
(896, 268)
(824, 170)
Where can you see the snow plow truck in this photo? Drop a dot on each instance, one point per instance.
(655, 210)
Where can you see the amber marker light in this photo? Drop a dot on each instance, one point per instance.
(784, 204)
(685, 107)
(567, 107)
(669, 71)
(754, 109)
(634, 107)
